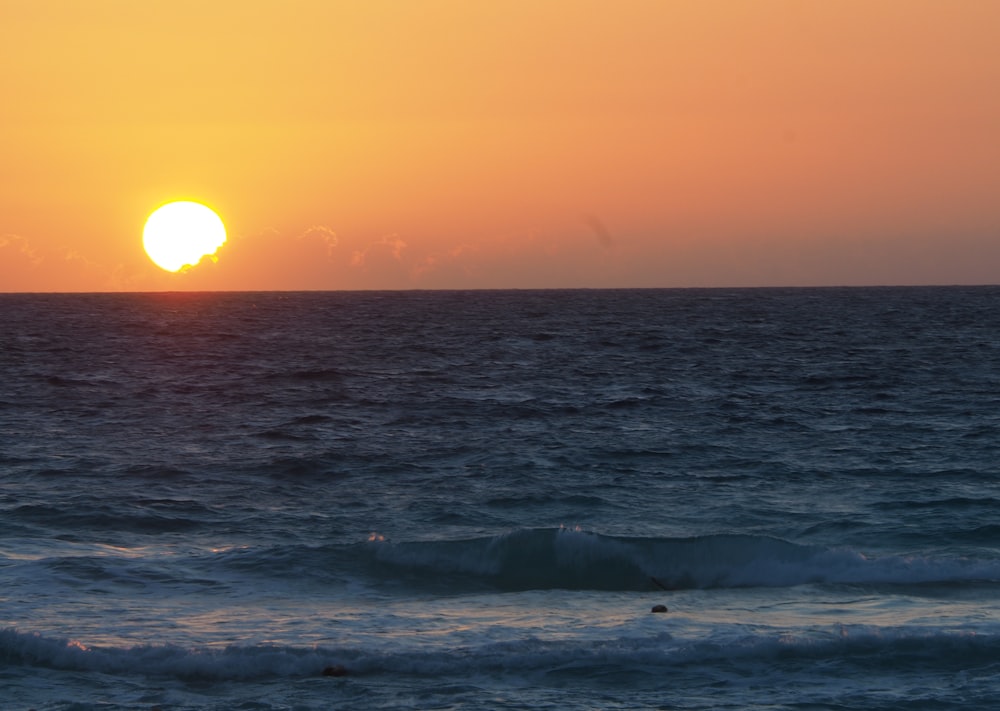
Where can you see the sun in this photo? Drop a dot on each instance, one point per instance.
(179, 234)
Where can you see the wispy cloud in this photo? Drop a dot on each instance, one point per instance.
(29, 265)
(323, 234)
(18, 247)
(390, 246)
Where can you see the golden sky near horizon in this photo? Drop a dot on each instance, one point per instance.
(528, 143)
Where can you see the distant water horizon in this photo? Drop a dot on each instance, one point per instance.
(474, 499)
(747, 287)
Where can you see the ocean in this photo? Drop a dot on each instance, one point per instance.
(475, 499)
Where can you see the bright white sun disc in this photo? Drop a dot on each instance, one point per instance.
(179, 234)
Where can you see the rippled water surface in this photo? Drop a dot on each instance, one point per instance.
(474, 499)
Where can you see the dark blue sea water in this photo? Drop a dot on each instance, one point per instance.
(473, 500)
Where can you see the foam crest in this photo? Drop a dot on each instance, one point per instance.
(836, 644)
(160, 660)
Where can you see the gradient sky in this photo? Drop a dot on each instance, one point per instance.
(395, 144)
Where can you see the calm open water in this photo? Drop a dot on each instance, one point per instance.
(472, 500)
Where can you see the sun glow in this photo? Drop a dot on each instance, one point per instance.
(179, 234)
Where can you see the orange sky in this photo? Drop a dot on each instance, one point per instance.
(525, 143)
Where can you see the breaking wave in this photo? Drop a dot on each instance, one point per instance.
(535, 559)
(835, 644)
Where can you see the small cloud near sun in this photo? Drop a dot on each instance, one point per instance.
(16, 245)
(23, 259)
(390, 246)
(323, 234)
(319, 257)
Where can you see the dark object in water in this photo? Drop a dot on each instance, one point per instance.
(656, 608)
(335, 670)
